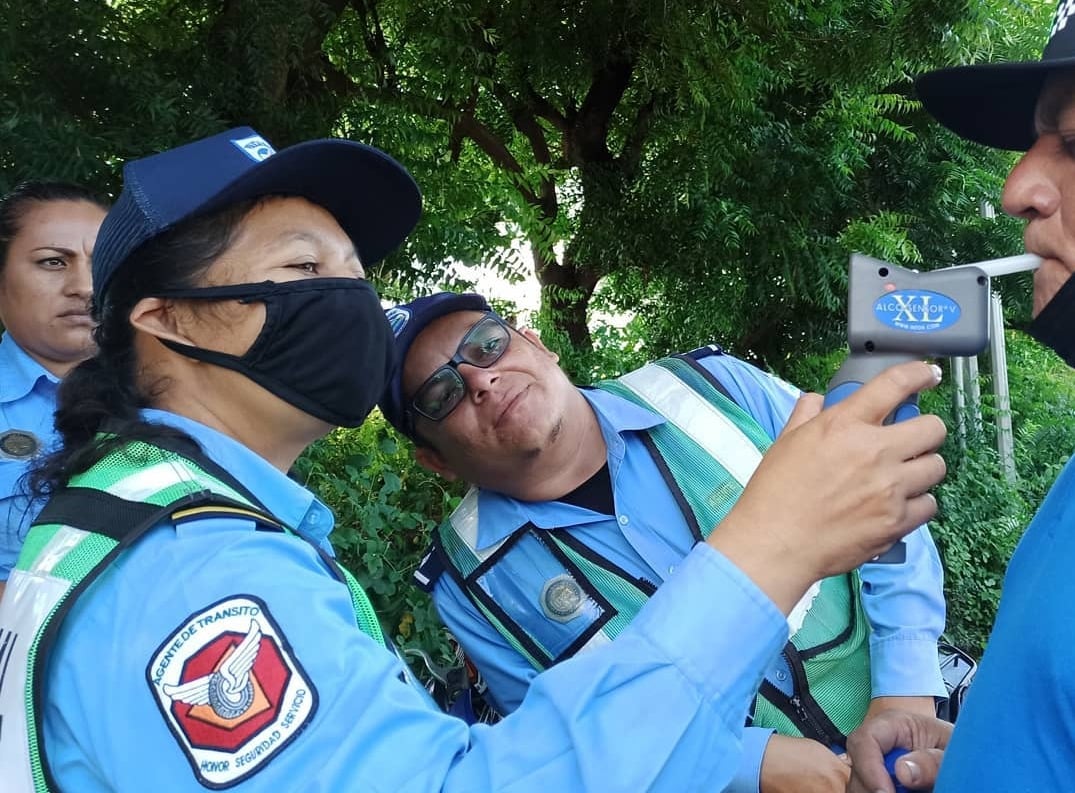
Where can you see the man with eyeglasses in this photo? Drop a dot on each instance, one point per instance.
(586, 499)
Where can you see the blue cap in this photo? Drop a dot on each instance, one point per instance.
(372, 197)
(407, 321)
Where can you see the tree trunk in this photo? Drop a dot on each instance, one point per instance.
(566, 289)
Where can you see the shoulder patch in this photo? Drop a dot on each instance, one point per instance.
(230, 690)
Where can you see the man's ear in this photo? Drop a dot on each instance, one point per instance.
(430, 459)
(531, 336)
(156, 316)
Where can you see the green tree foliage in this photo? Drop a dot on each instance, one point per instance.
(715, 161)
(385, 507)
(709, 164)
(835, 156)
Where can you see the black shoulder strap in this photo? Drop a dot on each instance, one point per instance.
(692, 358)
(96, 511)
(124, 521)
(431, 568)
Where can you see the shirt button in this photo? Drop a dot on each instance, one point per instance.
(624, 520)
(671, 569)
(313, 518)
(781, 675)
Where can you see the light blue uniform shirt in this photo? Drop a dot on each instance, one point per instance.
(587, 725)
(27, 402)
(1016, 728)
(649, 537)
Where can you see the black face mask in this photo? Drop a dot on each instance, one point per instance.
(1055, 325)
(326, 347)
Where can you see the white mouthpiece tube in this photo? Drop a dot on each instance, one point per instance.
(1007, 265)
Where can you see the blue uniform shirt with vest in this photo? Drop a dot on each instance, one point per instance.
(136, 693)
(27, 402)
(1017, 724)
(648, 538)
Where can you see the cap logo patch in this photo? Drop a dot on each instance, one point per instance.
(255, 147)
(1063, 14)
(398, 319)
(230, 689)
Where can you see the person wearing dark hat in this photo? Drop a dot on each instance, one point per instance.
(1014, 730)
(176, 621)
(585, 501)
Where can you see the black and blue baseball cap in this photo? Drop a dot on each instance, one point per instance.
(372, 197)
(408, 320)
(994, 103)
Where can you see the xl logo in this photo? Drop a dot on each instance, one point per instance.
(917, 311)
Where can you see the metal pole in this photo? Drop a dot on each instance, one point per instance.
(974, 393)
(999, 358)
(960, 401)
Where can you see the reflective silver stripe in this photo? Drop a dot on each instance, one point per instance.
(802, 608)
(66, 538)
(27, 603)
(715, 433)
(694, 415)
(464, 522)
(147, 482)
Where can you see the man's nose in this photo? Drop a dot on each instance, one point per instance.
(479, 381)
(1031, 190)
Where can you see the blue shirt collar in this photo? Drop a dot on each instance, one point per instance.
(500, 515)
(19, 373)
(285, 498)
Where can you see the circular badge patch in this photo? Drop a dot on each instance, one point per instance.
(19, 444)
(561, 598)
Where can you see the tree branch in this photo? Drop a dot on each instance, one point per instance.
(545, 109)
(525, 122)
(591, 127)
(631, 153)
(376, 43)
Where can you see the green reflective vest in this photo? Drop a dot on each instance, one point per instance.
(81, 530)
(707, 449)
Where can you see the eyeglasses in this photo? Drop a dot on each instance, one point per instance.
(482, 346)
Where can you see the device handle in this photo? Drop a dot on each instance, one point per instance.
(857, 369)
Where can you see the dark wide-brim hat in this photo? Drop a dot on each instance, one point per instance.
(371, 196)
(993, 104)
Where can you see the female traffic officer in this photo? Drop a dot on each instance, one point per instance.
(176, 619)
(47, 231)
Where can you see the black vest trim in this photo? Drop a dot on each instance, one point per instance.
(846, 633)
(644, 584)
(673, 486)
(692, 360)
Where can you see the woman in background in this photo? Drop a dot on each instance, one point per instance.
(47, 230)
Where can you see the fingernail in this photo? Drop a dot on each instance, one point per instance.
(913, 770)
(936, 372)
